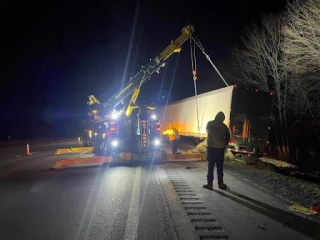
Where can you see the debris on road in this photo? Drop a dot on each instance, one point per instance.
(277, 163)
(261, 227)
(202, 147)
(316, 209)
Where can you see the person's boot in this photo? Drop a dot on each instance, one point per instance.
(222, 186)
(207, 186)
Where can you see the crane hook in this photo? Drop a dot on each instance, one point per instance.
(194, 75)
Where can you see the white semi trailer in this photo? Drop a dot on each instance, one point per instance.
(190, 116)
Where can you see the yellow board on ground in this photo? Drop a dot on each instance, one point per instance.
(125, 158)
(81, 161)
(185, 156)
(73, 150)
(301, 209)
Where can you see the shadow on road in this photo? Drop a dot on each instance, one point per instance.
(297, 223)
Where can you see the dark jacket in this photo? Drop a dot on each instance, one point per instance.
(218, 135)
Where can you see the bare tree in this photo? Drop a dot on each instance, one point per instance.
(301, 48)
(302, 37)
(282, 55)
(260, 63)
(258, 59)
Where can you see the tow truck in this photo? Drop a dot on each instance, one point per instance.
(122, 129)
(119, 130)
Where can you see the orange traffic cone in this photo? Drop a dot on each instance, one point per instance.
(27, 149)
(78, 140)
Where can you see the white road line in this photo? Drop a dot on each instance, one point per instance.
(134, 209)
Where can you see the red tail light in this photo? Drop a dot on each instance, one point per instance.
(158, 126)
(113, 127)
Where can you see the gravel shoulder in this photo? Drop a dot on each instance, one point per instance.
(264, 175)
(290, 189)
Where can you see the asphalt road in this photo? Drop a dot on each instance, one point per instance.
(164, 201)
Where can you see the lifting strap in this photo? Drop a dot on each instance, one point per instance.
(196, 41)
(194, 72)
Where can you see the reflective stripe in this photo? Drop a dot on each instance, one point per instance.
(240, 151)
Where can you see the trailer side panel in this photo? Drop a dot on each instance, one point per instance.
(190, 122)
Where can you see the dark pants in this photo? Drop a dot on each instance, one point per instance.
(174, 145)
(215, 156)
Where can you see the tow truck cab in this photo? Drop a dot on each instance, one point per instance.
(128, 134)
(148, 132)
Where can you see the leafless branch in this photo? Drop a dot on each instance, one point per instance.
(283, 56)
(301, 48)
(260, 60)
(301, 34)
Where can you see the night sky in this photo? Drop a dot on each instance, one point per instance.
(53, 55)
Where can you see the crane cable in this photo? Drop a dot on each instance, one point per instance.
(194, 72)
(208, 57)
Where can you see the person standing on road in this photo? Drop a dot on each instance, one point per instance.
(218, 137)
(173, 135)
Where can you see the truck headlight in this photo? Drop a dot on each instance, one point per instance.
(114, 143)
(114, 115)
(157, 142)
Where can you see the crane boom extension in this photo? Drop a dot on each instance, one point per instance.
(153, 66)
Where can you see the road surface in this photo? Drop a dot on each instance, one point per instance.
(163, 201)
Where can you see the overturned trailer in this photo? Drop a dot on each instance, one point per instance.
(247, 114)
